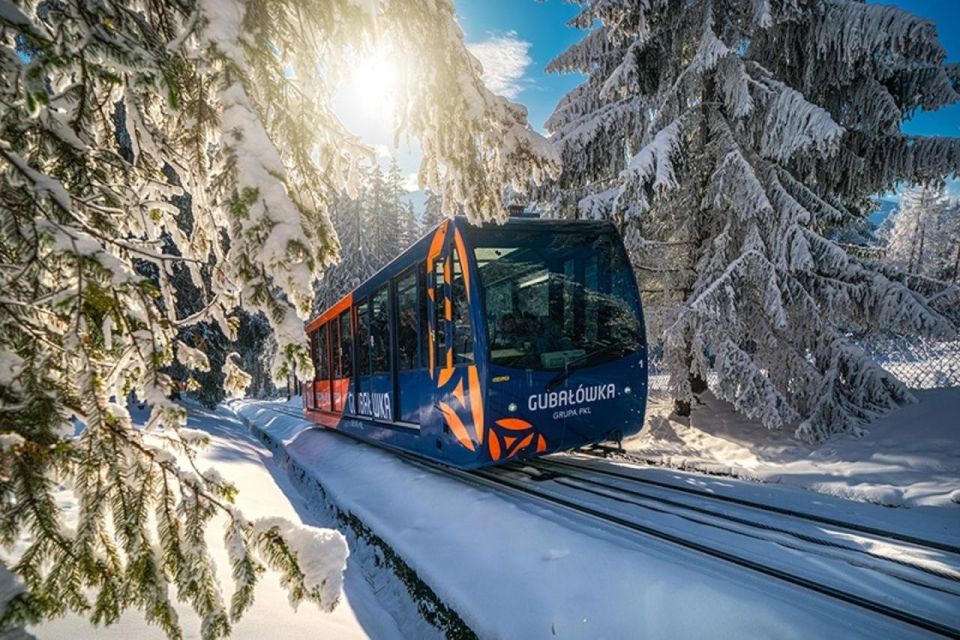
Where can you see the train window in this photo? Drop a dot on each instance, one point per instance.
(422, 315)
(335, 349)
(440, 315)
(315, 353)
(363, 339)
(380, 330)
(346, 345)
(460, 312)
(407, 300)
(323, 370)
(591, 282)
(554, 300)
(569, 284)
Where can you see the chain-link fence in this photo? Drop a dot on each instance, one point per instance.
(919, 364)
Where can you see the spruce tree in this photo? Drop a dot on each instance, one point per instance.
(432, 212)
(409, 226)
(390, 216)
(228, 102)
(377, 217)
(924, 233)
(357, 258)
(727, 138)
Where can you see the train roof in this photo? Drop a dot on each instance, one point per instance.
(404, 259)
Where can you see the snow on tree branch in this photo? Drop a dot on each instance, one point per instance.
(165, 164)
(730, 144)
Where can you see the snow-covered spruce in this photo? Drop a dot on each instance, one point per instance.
(373, 226)
(727, 138)
(923, 235)
(115, 112)
(432, 211)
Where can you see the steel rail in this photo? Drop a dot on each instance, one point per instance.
(804, 515)
(491, 479)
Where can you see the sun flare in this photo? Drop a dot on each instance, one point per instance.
(373, 84)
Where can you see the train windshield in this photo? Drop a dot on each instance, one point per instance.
(557, 299)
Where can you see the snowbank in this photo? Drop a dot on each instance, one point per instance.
(265, 492)
(909, 458)
(513, 570)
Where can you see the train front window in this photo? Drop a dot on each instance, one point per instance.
(557, 299)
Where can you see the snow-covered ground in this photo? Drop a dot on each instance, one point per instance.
(514, 569)
(265, 490)
(511, 569)
(909, 458)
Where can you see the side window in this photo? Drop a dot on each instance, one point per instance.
(346, 345)
(323, 370)
(363, 339)
(407, 304)
(591, 282)
(335, 349)
(440, 325)
(315, 353)
(569, 293)
(462, 329)
(422, 315)
(380, 330)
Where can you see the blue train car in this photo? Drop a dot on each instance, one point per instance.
(484, 344)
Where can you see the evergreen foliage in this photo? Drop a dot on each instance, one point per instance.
(373, 227)
(924, 234)
(432, 212)
(727, 138)
(409, 225)
(113, 111)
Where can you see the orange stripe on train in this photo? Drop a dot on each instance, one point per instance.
(476, 401)
(514, 424)
(458, 393)
(445, 374)
(436, 245)
(493, 446)
(520, 445)
(456, 426)
(463, 261)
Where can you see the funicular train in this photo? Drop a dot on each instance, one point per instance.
(484, 344)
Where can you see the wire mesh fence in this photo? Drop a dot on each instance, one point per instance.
(919, 364)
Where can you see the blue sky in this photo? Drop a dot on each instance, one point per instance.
(543, 26)
(516, 39)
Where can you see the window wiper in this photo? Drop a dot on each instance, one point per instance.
(577, 363)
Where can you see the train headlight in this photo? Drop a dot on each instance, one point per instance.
(512, 407)
(627, 390)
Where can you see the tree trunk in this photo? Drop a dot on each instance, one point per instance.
(698, 385)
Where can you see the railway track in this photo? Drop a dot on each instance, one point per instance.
(573, 467)
(611, 471)
(913, 581)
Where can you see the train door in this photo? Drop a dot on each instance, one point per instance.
(375, 395)
(409, 386)
(343, 360)
(309, 389)
(362, 372)
(457, 392)
(321, 386)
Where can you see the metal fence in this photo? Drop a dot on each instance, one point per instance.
(918, 364)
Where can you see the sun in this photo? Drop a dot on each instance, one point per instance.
(373, 83)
